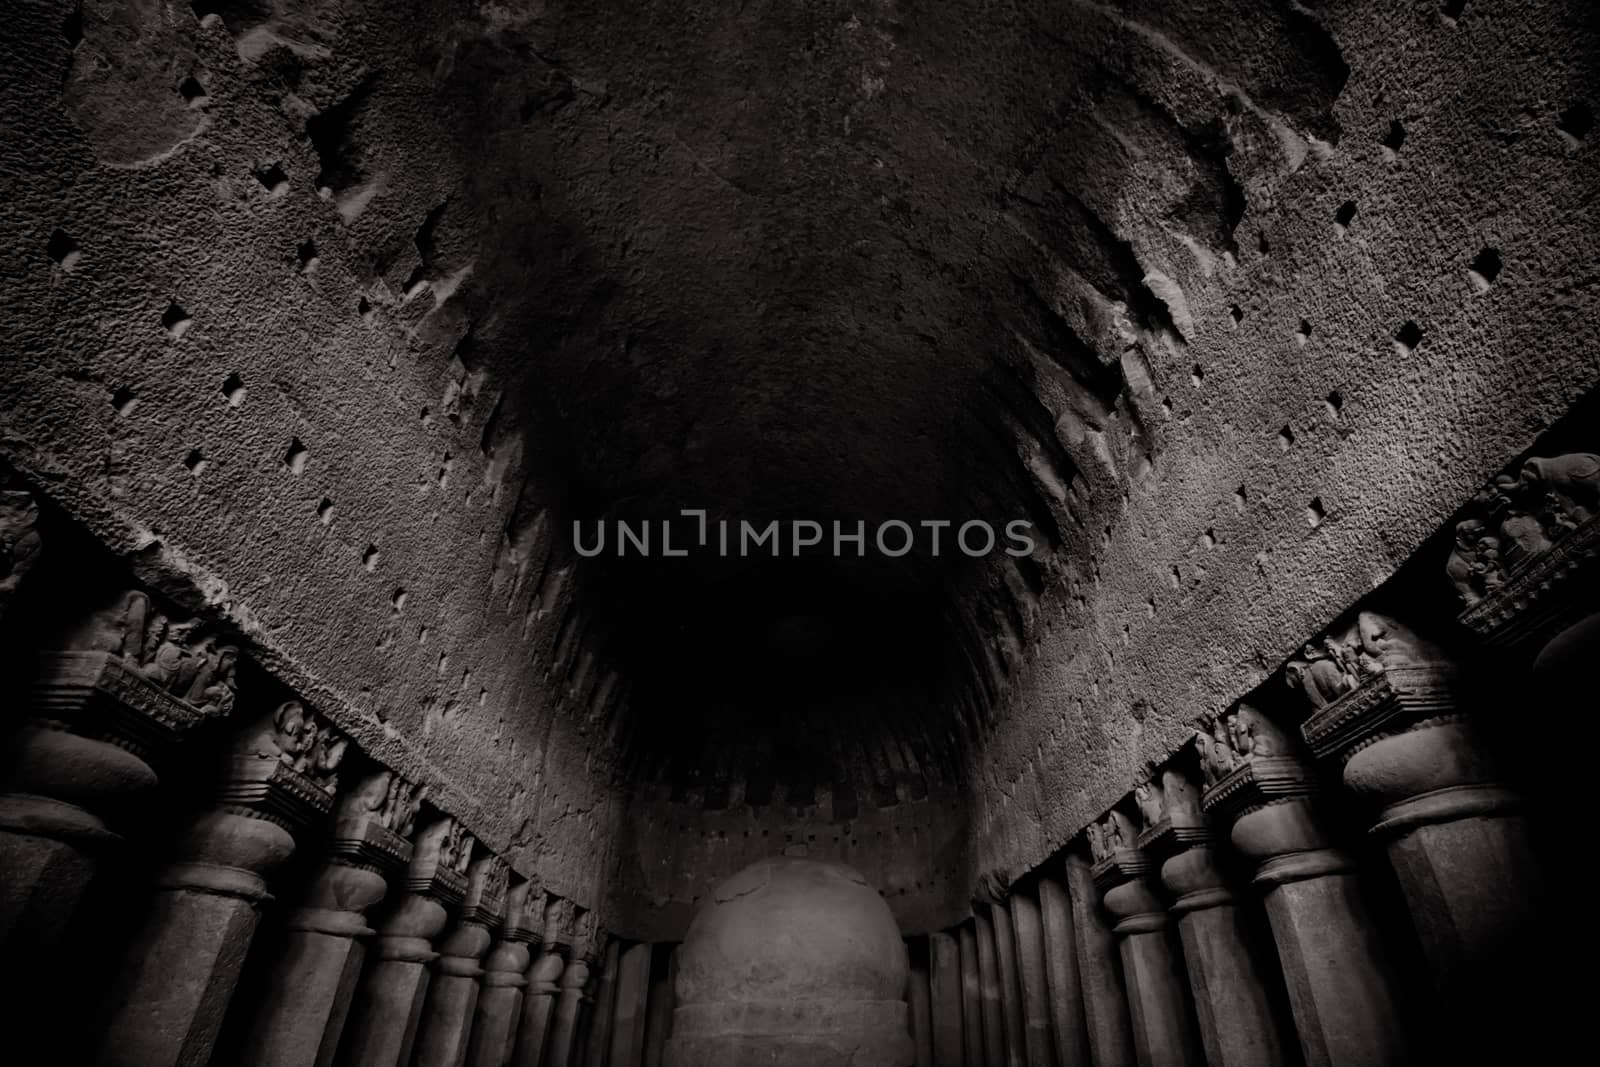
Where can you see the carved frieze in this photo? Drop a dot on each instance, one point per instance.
(179, 656)
(524, 913)
(285, 768)
(558, 931)
(371, 823)
(1376, 677)
(1247, 761)
(438, 864)
(1169, 803)
(1113, 846)
(1524, 556)
(487, 881)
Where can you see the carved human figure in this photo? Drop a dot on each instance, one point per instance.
(287, 736)
(1096, 837)
(401, 804)
(1474, 566)
(1152, 804)
(1254, 735)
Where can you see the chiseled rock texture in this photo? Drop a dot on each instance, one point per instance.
(338, 313)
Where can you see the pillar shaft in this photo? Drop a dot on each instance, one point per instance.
(1068, 1032)
(1340, 989)
(445, 1030)
(1455, 835)
(565, 1016)
(633, 993)
(919, 998)
(313, 969)
(1005, 945)
(383, 1024)
(1027, 926)
(603, 1009)
(658, 1020)
(494, 1028)
(1152, 968)
(1105, 1003)
(168, 999)
(944, 982)
(994, 1021)
(1233, 979)
(533, 1035)
(972, 1042)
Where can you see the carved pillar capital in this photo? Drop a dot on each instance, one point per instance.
(1526, 558)
(363, 849)
(1122, 874)
(1178, 835)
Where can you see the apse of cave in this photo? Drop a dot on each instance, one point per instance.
(828, 533)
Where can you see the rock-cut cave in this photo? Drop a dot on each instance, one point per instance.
(800, 533)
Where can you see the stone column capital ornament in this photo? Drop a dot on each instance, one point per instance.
(558, 927)
(438, 868)
(1248, 764)
(1526, 557)
(1178, 836)
(372, 824)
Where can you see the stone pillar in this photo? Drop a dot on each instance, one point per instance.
(1069, 1035)
(1234, 982)
(313, 972)
(1152, 969)
(1005, 954)
(1027, 925)
(994, 1016)
(123, 688)
(658, 1022)
(382, 1028)
(588, 948)
(1456, 836)
(543, 975)
(494, 1025)
(452, 1000)
(633, 992)
(1340, 988)
(1105, 1003)
(918, 998)
(944, 982)
(972, 1043)
(170, 994)
(602, 1014)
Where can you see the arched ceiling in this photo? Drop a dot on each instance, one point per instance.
(837, 261)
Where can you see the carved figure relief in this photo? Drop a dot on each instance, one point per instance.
(1474, 567)
(1518, 516)
(1152, 803)
(175, 655)
(293, 736)
(401, 803)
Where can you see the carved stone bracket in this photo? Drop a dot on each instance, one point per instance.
(362, 834)
(1401, 698)
(1543, 595)
(102, 696)
(438, 868)
(1257, 783)
(285, 770)
(485, 900)
(524, 915)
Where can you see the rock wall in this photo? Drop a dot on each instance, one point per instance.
(238, 349)
(1407, 300)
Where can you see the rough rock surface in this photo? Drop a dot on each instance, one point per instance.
(346, 311)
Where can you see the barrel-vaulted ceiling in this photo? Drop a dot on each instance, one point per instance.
(840, 260)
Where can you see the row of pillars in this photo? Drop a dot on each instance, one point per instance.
(1351, 879)
(195, 870)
